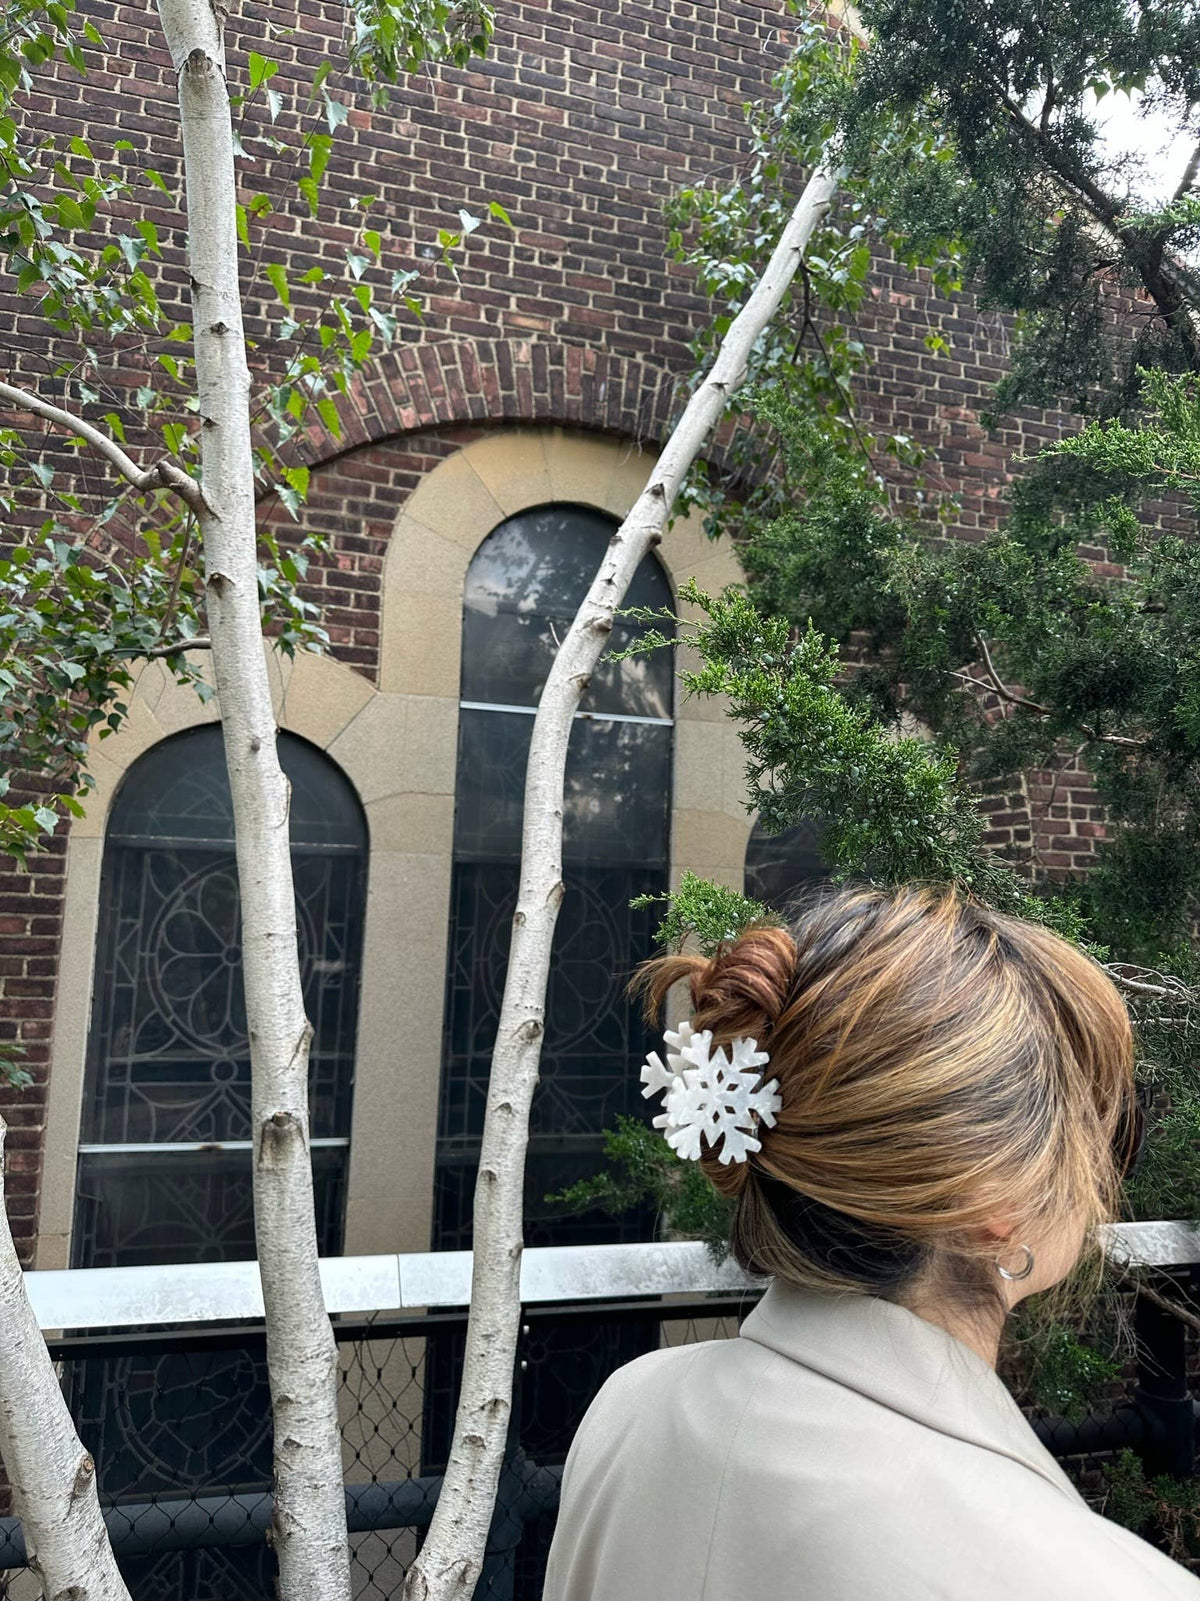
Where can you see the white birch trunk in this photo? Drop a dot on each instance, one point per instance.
(53, 1478)
(309, 1527)
(451, 1559)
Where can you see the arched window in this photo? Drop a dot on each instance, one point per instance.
(164, 1158)
(782, 867)
(164, 1170)
(522, 590)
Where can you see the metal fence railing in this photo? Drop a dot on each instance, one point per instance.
(175, 1409)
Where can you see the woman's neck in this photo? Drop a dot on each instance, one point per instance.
(979, 1328)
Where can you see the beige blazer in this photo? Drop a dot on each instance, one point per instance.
(840, 1449)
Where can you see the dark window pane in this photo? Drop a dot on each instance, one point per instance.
(781, 867)
(523, 589)
(616, 796)
(180, 790)
(136, 1209)
(175, 1421)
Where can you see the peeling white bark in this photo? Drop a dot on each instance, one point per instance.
(309, 1530)
(451, 1559)
(53, 1478)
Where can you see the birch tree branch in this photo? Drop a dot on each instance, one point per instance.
(165, 474)
(180, 647)
(450, 1561)
(53, 1478)
(309, 1518)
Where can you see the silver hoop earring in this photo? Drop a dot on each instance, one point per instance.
(1022, 1272)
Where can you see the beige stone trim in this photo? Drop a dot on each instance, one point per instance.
(397, 745)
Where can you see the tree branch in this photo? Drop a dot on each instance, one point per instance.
(1169, 281)
(1148, 981)
(201, 642)
(1189, 174)
(165, 474)
(998, 688)
(1165, 1302)
(994, 685)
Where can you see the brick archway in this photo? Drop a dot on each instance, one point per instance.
(441, 383)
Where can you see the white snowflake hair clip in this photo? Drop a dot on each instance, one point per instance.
(707, 1093)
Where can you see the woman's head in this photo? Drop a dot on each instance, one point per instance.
(947, 1073)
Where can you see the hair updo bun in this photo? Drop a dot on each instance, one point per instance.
(740, 990)
(939, 1065)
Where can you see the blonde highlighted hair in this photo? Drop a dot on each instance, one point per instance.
(940, 1065)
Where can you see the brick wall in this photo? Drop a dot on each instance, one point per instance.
(586, 115)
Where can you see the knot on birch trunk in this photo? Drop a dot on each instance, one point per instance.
(199, 61)
(280, 1132)
(85, 1473)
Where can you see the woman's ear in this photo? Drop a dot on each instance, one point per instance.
(998, 1229)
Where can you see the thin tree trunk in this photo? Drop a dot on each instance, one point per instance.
(309, 1528)
(53, 1478)
(450, 1561)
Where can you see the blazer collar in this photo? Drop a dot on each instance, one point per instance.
(896, 1358)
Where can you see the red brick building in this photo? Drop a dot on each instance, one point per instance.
(480, 462)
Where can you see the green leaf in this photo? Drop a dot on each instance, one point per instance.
(320, 149)
(297, 478)
(278, 277)
(335, 113)
(261, 70)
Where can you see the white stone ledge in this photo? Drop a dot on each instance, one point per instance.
(126, 1297)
